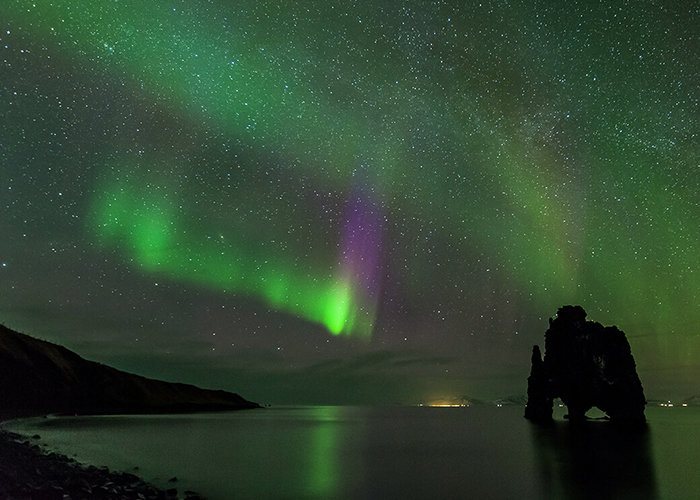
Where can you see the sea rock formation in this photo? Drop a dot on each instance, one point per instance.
(586, 365)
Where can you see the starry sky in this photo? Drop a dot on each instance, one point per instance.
(350, 202)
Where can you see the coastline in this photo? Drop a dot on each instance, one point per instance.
(29, 472)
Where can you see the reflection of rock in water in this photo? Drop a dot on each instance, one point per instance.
(586, 365)
(594, 460)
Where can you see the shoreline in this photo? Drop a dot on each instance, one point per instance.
(29, 472)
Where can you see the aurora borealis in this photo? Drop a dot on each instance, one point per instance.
(357, 201)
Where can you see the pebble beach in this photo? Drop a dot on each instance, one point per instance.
(28, 472)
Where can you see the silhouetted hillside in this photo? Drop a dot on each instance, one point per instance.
(37, 377)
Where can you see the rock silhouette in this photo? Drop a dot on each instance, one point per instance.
(38, 377)
(586, 365)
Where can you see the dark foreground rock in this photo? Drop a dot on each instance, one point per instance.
(27, 473)
(38, 378)
(586, 365)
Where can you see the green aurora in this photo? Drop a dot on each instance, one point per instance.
(151, 227)
(510, 159)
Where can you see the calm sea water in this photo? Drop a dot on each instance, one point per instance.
(481, 452)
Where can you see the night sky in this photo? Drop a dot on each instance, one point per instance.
(350, 202)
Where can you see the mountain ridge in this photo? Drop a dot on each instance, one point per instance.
(38, 377)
